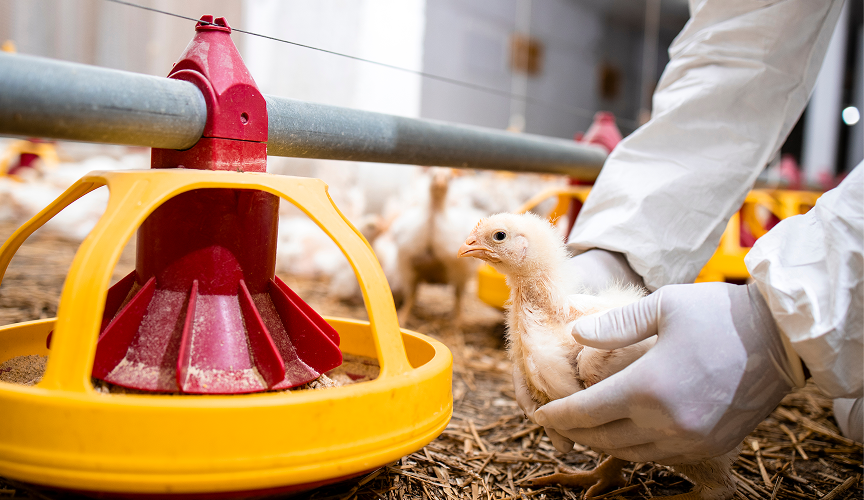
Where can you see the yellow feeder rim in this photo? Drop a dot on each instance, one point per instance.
(62, 433)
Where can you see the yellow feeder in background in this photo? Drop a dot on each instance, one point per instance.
(63, 434)
(25, 152)
(747, 225)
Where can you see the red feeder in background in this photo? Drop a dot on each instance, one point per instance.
(602, 132)
(203, 311)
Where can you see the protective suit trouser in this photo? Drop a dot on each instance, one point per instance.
(850, 417)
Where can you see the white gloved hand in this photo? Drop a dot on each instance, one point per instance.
(598, 268)
(718, 369)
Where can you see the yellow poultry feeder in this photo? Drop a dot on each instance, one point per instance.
(761, 210)
(21, 154)
(727, 263)
(62, 433)
(205, 334)
(795, 202)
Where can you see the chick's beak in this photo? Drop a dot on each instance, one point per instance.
(472, 249)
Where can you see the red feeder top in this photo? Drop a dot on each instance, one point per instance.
(235, 107)
(235, 133)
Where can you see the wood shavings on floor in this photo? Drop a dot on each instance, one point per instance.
(489, 451)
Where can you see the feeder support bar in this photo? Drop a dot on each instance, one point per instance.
(60, 100)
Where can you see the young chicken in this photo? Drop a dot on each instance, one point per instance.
(426, 237)
(544, 302)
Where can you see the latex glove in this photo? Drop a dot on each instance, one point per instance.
(598, 268)
(718, 369)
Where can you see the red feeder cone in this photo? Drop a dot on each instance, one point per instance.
(602, 132)
(203, 311)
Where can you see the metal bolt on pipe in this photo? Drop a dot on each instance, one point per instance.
(60, 100)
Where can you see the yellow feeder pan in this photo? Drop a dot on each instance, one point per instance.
(62, 433)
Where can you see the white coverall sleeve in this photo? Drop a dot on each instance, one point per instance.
(739, 76)
(810, 269)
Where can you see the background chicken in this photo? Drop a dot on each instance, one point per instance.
(545, 300)
(427, 237)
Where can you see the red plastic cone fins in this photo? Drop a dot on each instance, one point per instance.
(184, 357)
(116, 297)
(267, 358)
(311, 340)
(166, 341)
(115, 340)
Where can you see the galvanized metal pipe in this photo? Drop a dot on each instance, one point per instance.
(60, 100)
(46, 98)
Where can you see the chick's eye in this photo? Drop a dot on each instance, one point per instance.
(499, 236)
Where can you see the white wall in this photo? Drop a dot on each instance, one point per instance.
(822, 121)
(469, 41)
(108, 34)
(387, 31)
(571, 33)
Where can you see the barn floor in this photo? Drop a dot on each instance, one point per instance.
(489, 450)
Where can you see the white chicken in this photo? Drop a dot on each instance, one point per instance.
(344, 285)
(427, 237)
(21, 200)
(544, 302)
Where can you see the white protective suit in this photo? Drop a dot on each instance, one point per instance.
(740, 74)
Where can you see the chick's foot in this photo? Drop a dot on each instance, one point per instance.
(713, 478)
(606, 476)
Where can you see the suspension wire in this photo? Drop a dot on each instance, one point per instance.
(625, 122)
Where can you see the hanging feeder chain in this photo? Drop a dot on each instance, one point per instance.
(60, 100)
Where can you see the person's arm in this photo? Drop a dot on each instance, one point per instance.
(723, 360)
(810, 269)
(739, 76)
